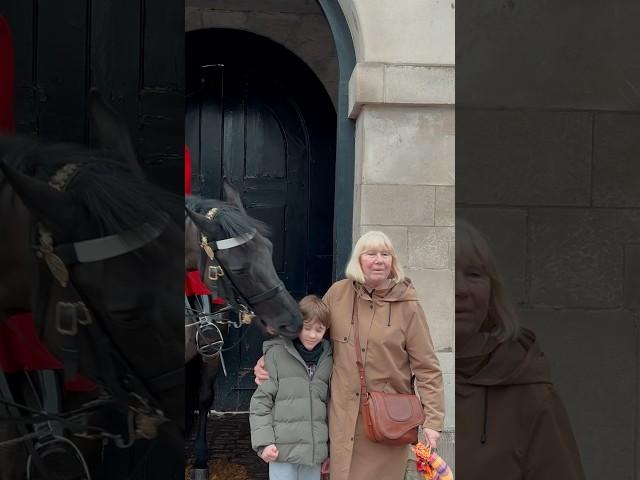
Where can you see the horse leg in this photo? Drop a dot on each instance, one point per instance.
(13, 457)
(205, 400)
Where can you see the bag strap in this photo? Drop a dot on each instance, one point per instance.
(355, 320)
(356, 342)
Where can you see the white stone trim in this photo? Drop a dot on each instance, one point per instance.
(400, 84)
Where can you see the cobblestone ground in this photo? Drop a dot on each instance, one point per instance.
(229, 437)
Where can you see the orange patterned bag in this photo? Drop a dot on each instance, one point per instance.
(430, 464)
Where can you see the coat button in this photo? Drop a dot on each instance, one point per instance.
(363, 349)
(345, 339)
(371, 305)
(357, 394)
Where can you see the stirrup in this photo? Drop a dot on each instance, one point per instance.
(55, 445)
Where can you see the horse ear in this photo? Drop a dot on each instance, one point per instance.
(53, 207)
(203, 223)
(112, 133)
(231, 195)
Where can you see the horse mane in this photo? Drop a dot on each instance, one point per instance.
(231, 219)
(115, 197)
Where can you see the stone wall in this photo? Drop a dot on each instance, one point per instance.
(547, 167)
(298, 25)
(401, 94)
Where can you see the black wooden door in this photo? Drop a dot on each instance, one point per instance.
(132, 51)
(257, 116)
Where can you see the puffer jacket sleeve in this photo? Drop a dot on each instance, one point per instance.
(552, 451)
(425, 366)
(261, 406)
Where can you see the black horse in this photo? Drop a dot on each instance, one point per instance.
(105, 285)
(234, 257)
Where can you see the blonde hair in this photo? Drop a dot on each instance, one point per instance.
(373, 240)
(472, 249)
(313, 308)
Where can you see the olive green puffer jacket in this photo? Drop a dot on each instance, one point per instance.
(290, 409)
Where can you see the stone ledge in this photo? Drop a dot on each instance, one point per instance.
(396, 84)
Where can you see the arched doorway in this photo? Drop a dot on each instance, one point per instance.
(258, 116)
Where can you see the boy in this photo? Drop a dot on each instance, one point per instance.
(288, 413)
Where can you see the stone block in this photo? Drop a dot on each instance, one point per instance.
(419, 84)
(577, 256)
(616, 169)
(192, 18)
(398, 237)
(543, 56)
(523, 158)
(447, 362)
(366, 86)
(282, 26)
(412, 146)
(397, 205)
(449, 381)
(429, 246)
(282, 6)
(415, 31)
(445, 206)
(436, 292)
(632, 276)
(224, 19)
(593, 357)
(506, 233)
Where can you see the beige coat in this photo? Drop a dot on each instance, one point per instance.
(396, 342)
(510, 423)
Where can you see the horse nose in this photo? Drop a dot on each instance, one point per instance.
(289, 330)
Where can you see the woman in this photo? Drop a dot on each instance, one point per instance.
(395, 343)
(510, 423)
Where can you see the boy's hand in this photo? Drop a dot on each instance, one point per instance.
(260, 372)
(269, 453)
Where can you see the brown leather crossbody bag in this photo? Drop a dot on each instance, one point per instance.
(388, 418)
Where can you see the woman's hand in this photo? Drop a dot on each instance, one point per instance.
(432, 437)
(260, 372)
(269, 453)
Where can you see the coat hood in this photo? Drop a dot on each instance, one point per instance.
(484, 361)
(398, 292)
(268, 344)
(511, 421)
(288, 345)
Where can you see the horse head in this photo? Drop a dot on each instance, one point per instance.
(239, 243)
(102, 236)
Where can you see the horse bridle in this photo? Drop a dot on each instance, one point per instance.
(141, 408)
(212, 271)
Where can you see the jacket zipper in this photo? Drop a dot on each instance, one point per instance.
(313, 440)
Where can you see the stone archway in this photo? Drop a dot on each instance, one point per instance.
(302, 26)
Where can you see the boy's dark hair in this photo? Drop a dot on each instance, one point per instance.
(313, 308)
